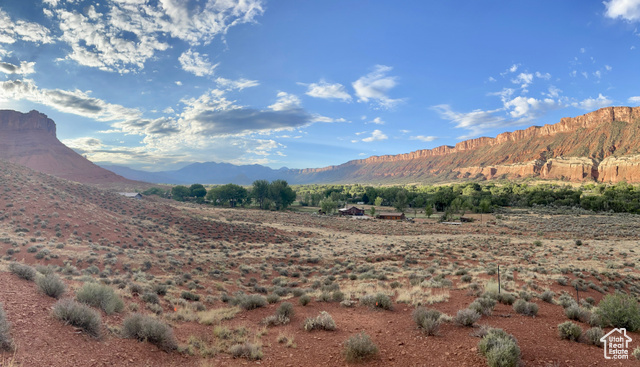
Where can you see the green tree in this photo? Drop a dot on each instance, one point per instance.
(372, 211)
(260, 192)
(428, 211)
(156, 191)
(179, 192)
(328, 206)
(281, 194)
(378, 201)
(459, 206)
(484, 207)
(197, 191)
(229, 193)
(418, 203)
(401, 201)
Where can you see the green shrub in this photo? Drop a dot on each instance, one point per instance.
(273, 298)
(149, 329)
(500, 349)
(51, 285)
(159, 289)
(525, 308)
(101, 296)
(547, 296)
(324, 297)
(285, 310)
(427, 320)
(246, 350)
(251, 301)
(636, 353)
(324, 321)
(506, 298)
(565, 300)
(337, 296)
(304, 299)
(78, 315)
(23, 271)
(379, 300)
(483, 305)
(593, 335)
(189, 296)
(6, 343)
(620, 311)
(569, 330)
(151, 297)
(466, 317)
(359, 347)
(575, 312)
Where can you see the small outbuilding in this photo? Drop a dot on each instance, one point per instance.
(391, 216)
(353, 211)
(133, 195)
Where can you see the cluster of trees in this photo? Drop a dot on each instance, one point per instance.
(267, 195)
(472, 196)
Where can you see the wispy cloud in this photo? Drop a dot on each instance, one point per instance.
(100, 39)
(238, 84)
(591, 104)
(11, 31)
(286, 102)
(376, 135)
(634, 99)
(195, 63)
(476, 121)
(423, 138)
(328, 91)
(377, 121)
(375, 86)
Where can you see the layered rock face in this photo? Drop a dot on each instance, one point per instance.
(603, 146)
(29, 139)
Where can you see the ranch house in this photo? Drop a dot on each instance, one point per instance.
(351, 211)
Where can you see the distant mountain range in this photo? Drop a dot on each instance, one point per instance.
(205, 173)
(600, 146)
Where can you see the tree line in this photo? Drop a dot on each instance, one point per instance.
(264, 194)
(456, 198)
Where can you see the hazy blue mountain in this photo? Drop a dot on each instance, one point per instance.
(204, 173)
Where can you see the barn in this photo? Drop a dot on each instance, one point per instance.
(351, 211)
(391, 216)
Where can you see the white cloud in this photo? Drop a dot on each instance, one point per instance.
(545, 76)
(591, 104)
(424, 138)
(130, 32)
(376, 135)
(328, 91)
(238, 84)
(11, 31)
(195, 63)
(75, 102)
(524, 79)
(24, 68)
(476, 121)
(526, 109)
(84, 144)
(377, 121)
(286, 102)
(375, 85)
(635, 99)
(320, 118)
(178, 83)
(628, 10)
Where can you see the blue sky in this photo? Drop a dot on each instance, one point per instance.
(158, 84)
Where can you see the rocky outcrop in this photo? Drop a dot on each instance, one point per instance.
(32, 121)
(616, 169)
(29, 139)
